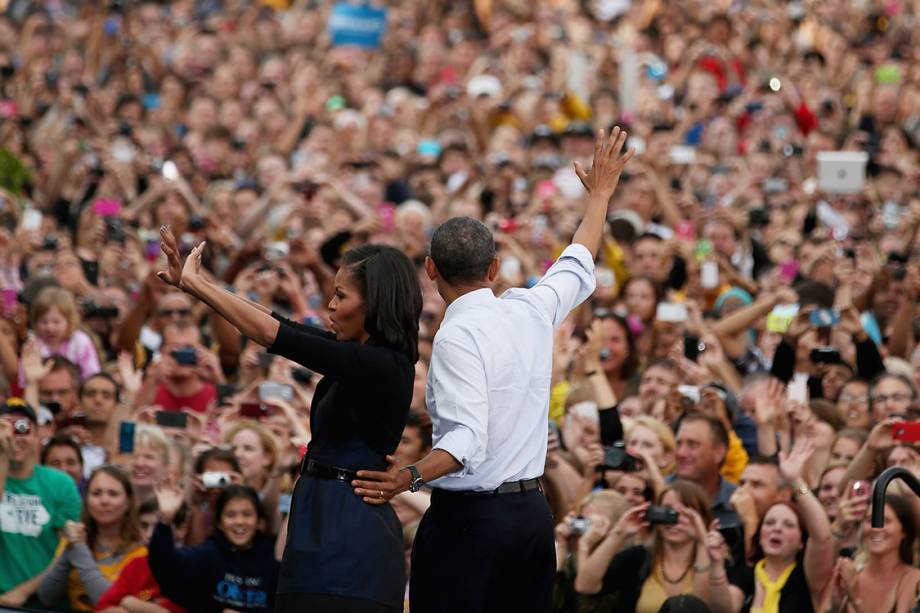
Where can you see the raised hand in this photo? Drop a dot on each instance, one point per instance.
(791, 464)
(169, 500)
(34, 366)
(598, 529)
(632, 521)
(131, 378)
(769, 403)
(170, 248)
(608, 163)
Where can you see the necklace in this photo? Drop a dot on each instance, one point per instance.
(679, 579)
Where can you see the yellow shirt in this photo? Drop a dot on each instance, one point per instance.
(735, 459)
(110, 565)
(654, 593)
(557, 398)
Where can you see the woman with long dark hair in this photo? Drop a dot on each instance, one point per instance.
(341, 554)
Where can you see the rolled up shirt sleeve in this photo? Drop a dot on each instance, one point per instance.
(462, 402)
(567, 283)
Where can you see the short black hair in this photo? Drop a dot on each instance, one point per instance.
(219, 454)
(59, 362)
(232, 492)
(392, 296)
(422, 423)
(107, 377)
(717, 430)
(60, 440)
(463, 249)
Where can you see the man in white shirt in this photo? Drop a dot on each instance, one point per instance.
(486, 541)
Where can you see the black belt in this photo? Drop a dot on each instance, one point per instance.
(322, 471)
(509, 487)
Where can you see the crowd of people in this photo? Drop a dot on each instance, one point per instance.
(719, 407)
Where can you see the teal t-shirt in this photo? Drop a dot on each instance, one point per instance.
(31, 513)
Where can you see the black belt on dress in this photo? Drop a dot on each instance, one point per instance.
(323, 471)
(509, 487)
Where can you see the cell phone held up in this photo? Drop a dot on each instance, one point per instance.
(906, 431)
(171, 419)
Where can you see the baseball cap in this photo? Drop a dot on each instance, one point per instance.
(18, 406)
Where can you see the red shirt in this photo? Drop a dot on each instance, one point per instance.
(198, 402)
(136, 580)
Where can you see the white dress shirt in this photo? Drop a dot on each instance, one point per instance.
(489, 378)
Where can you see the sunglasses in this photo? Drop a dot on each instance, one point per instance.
(172, 312)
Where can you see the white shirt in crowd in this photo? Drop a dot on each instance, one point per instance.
(489, 378)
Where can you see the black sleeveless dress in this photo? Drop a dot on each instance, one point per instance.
(343, 554)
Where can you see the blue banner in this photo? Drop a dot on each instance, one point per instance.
(358, 25)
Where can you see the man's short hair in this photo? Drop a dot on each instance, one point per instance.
(462, 249)
(61, 363)
(106, 376)
(180, 325)
(717, 430)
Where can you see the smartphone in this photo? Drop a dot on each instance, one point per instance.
(797, 390)
(77, 419)
(907, 431)
(126, 437)
(284, 503)
(661, 515)
(171, 419)
(775, 185)
(170, 171)
(780, 318)
(31, 220)
(273, 389)
(225, 391)
(861, 489)
(616, 458)
(824, 318)
(693, 347)
(709, 274)
(106, 208)
(671, 312)
(8, 301)
(187, 356)
(253, 410)
(826, 355)
(685, 230)
(789, 270)
(681, 154)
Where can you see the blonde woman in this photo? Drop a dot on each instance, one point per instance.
(601, 505)
(150, 460)
(257, 451)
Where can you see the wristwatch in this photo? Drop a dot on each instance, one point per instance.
(417, 482)
(800, 488)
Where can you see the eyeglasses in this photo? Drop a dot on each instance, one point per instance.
(853, 398)
(173, 312)
(883, 398)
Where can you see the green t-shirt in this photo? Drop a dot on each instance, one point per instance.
(31, 513)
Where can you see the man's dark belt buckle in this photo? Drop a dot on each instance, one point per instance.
(322, 471)
(517, 487)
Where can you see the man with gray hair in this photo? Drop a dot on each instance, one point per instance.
(486, 541)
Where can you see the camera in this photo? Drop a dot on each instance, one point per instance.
(114, 230)
(215, 480)
(22, 426)
(579, 525)
(826, 355)
(187, 356)
(616, 458)
(661, 515)
(94, 311)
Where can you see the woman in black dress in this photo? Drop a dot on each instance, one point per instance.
(341, 554)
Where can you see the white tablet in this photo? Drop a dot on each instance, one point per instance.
(842, 172)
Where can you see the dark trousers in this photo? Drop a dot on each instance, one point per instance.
(491, 553)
